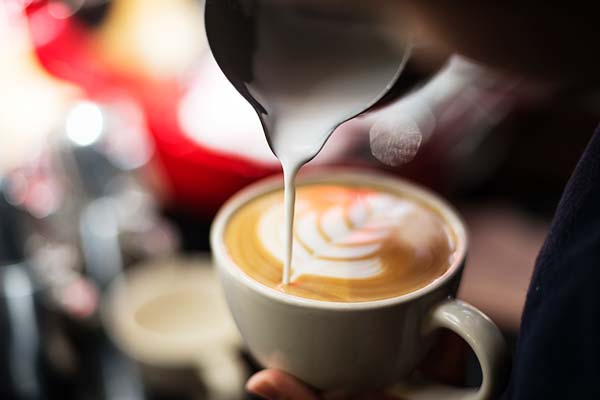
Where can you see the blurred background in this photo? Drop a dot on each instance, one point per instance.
(119, 140)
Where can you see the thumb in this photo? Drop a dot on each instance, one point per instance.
(276, 385)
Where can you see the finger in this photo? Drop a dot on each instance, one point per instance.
(276, 385)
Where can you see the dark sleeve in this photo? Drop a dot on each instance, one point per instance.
(558, 350)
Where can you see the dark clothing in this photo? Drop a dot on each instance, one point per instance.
(558, 350)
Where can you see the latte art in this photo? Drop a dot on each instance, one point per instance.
(350, 243)
(339, 236)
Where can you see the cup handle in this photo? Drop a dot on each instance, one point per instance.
(485, 339)
(223, 373)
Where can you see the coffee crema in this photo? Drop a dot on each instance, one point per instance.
(351, 243)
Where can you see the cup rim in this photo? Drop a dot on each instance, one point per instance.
(335, 175)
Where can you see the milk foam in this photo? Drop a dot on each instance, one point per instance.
(338, 242)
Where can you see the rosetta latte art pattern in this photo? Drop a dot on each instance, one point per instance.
(339, 241)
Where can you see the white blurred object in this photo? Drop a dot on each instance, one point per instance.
(170, 315)
(160, 37)
(84, 123)
(32, 103)
(463, 96)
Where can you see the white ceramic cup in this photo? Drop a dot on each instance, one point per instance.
(169, 316)
(359, 346)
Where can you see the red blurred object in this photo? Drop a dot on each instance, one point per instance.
(197, 178)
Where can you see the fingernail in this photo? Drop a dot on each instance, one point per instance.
(262, 388)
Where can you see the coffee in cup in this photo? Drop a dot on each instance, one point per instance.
(351, 242)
